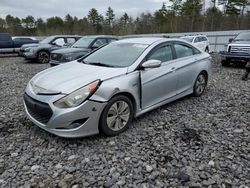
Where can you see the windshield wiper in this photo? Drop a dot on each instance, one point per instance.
(100, 64)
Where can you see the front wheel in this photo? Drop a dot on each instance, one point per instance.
(200, 84)
(43, 57)
(116, 116)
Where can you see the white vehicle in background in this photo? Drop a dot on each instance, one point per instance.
(199, 41)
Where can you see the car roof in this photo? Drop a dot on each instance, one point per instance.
(66, 36)
(102, 36)
(144, 40)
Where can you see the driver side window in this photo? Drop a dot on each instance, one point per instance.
(163, 54)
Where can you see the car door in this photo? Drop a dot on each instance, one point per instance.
(158, 84)
(187, 57)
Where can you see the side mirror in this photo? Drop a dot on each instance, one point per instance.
(152, 63)
(230, 40)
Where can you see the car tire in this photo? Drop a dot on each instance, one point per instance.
(200, 84)
(43, 57)
(116, 116)
(207, 49)
(225, 63)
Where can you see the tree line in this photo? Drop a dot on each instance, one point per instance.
(180, 16)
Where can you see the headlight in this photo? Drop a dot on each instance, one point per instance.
(69, 57)
(27, 49)
(77, 97)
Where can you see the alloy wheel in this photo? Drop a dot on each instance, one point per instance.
(200, 84)
(118, 115)
(43, 57)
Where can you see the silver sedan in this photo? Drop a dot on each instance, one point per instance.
(107, 88)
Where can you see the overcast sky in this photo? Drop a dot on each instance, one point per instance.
(79, 8)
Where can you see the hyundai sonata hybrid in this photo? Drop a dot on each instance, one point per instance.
(103, 91)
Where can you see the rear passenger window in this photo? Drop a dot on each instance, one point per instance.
(197, 39)
(204, 39)
(71, 40)
(163, 54)
(100, 42)
(59, 41)
(183, 50)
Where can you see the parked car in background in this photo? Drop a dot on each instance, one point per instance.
(80, 48)
(10, 44)
(41, 51)
(105, 89)
(200, 41)
(238, 50)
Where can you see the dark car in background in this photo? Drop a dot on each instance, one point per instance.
(41, 51)
(80, 48)
(10, 44)
(238, 50)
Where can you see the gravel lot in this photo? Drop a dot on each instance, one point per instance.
(193, 142)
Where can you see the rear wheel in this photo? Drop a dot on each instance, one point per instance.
(200, 84)
(116, 116)
(43, 57)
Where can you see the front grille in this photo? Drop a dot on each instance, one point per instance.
(240, 49)
(38, 110)
(56, 57)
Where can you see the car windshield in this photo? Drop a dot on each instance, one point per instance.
(189, 39)
(116, 54)
(83, 42)
(243, 36)
(47, 40)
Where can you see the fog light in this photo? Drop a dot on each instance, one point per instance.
(74, 125)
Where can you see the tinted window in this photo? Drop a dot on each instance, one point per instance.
(71, 40)
(100, 42)
(243, 36)
(189, 39)
(163, 54)
(84, 42)
(22, 39)
(183, 50)
(204, 39)
(59, 41)
(197, 39)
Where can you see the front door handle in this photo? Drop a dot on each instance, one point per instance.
(173, 69)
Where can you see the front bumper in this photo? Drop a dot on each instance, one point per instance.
(235, 56)
(29, 55)
(71, 122)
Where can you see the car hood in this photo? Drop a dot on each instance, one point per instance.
(240, 43)
(71, 76)
(34, 45)
(30, 45)
(70, 50)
